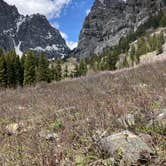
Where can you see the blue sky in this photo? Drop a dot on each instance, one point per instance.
(66, 15)
(72, 17)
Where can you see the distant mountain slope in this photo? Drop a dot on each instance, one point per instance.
(109, 20)
(29, 32)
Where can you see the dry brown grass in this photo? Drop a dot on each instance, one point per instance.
(83, 106)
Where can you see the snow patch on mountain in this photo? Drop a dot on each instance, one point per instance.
(49, 35)
(48, 48)
(17, 48)
(19, 23)
(8, 31)
(102, 1)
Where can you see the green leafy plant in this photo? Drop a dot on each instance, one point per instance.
(79, 160)
(57, 125)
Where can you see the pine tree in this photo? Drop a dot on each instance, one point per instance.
(76, 71)
(66, 72)
(163, 21)
(112, 59)
(132, 54)
(18, 71)
(141, 47)
(123, 44)
(43, 69)
(22, 61)
(56, 71)
(152, 42)
(10, 64)
(30, 69)
(1, 51)
(3, 79)
(160, 42)
(82, 68)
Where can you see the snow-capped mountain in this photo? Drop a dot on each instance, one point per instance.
(29, 32)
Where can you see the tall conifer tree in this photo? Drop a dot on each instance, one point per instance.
(3, 79)
(30, 69)
(43, 70)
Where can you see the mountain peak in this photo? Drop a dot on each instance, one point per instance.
(29, 32)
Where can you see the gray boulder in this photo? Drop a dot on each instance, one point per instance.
(18, 128)
(130, 146)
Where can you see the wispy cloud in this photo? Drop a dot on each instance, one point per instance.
(49, 8)
(69, 43)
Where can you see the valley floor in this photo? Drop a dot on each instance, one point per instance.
(55, 124)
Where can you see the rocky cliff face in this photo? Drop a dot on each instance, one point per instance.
(109, 20)
(29, 32)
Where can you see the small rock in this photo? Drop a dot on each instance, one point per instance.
(48, 135)
(130, 146)
(17, 128)
(12, 129)
(159, 120)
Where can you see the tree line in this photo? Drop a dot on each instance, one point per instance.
(30, 69)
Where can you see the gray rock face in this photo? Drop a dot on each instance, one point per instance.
(126, 144)
(109, 20)
(29, 32)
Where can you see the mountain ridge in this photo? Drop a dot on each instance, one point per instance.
(26, 32)
(110, 20)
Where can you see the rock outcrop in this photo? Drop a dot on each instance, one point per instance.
(29, 32)
(109, 20)
(128, 147)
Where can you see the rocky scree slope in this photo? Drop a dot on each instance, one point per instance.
(109, 20)
(29, 32)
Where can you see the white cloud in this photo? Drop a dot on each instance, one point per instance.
(49, 8)
(69, 43)
(64, 35)
(87, 11)
(55, 25)
(72, 44)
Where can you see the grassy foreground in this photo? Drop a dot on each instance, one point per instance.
(72, 112)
